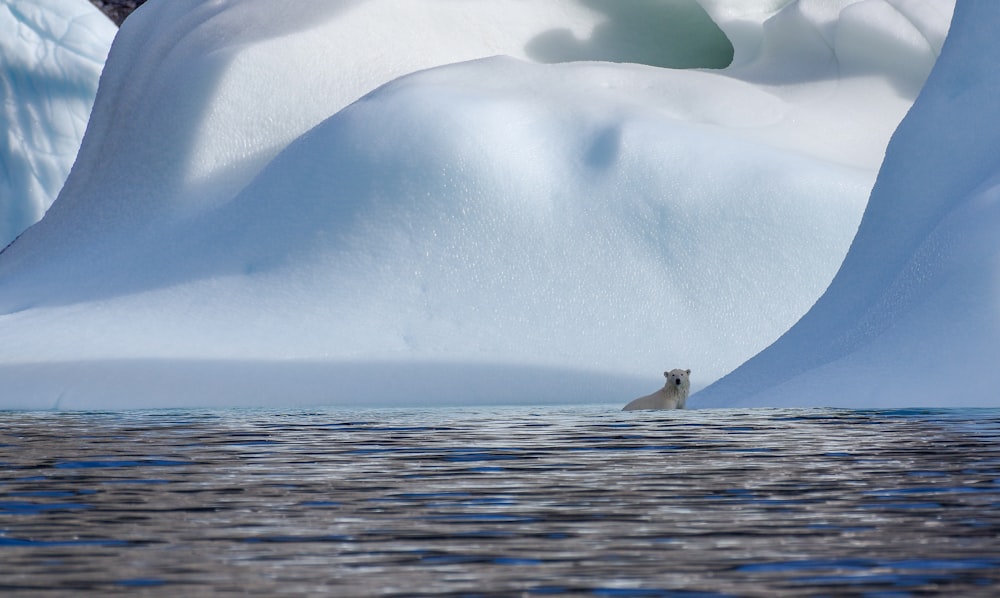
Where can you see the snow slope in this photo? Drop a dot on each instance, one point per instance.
(913, 316)
(298, 213)
(51, 55)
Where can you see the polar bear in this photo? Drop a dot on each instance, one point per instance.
(673, 395)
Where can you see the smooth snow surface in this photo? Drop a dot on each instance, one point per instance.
(51, 55)
(277, 207)
(913, 316)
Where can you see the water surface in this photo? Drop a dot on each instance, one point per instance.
(511, 501)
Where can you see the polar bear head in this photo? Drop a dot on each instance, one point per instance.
(678, 379)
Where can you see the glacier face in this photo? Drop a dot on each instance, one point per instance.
(51, 55)
(359, 201)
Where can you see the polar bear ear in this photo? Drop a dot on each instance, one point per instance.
(688, 372)
(666, 374)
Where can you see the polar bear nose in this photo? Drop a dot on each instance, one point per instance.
(677, 381)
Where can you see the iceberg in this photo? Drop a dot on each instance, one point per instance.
(493, 201)
(912, 318)
(51, 56)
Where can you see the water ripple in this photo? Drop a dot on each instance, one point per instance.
(543, 501)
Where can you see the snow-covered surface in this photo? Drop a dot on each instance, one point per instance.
(51, 55)
(913, 316)
(241, 228)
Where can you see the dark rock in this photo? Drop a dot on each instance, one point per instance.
(117, 10)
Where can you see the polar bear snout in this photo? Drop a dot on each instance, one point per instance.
(675, 378)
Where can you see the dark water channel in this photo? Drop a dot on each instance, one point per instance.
(512, 501)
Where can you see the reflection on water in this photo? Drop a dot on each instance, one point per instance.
(507, 501)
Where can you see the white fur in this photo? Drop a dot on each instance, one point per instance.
(673, 395)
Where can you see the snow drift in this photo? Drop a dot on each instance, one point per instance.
(913, 316)
(298, 209)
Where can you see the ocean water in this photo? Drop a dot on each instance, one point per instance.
(523, 501)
